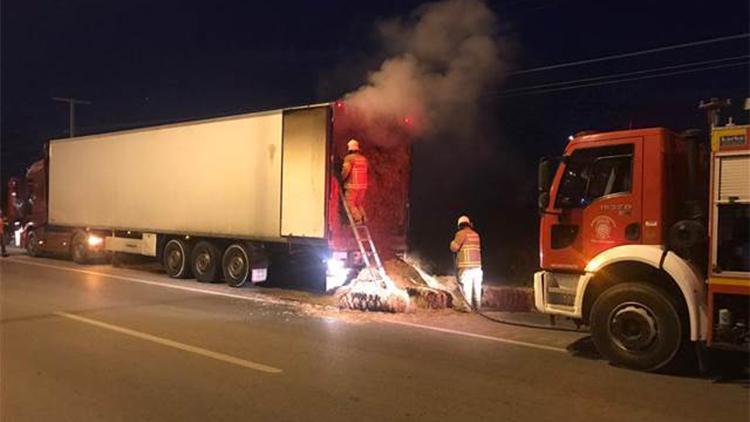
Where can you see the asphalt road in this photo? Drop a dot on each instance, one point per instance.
(97, 343)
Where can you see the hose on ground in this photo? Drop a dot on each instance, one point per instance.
(513, 323)
(491, 318)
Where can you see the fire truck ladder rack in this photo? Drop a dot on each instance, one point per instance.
(366, 246)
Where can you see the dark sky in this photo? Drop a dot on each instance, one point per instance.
(142, 62)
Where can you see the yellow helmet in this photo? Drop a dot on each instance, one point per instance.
(353, 145)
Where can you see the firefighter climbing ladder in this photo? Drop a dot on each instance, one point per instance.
(365, 244)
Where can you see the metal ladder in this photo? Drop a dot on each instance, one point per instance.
(365, 244)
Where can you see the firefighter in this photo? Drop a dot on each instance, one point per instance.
(467, 247)
(354, 175)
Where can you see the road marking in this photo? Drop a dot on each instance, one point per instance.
(174, 344)
(265, 299)
(480, 336)
(151, 282)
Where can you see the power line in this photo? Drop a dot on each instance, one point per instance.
(632, 54)
(617, 75)
(660, 75)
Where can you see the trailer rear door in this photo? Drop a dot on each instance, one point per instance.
(304, 172)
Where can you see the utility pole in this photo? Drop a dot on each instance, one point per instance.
(713, 109)
(71, 111)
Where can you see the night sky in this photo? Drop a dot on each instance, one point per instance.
(149, 62)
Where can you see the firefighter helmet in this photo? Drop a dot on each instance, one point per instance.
(353, 145)
(463, 219)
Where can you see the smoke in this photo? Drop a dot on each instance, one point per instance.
(441, 61)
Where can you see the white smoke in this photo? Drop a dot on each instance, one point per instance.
(443, 58)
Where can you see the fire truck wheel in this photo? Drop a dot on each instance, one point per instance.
(637, 325)
(79, 248)
(206, 262)
(32, 244)
(236, 264)
(176, 258)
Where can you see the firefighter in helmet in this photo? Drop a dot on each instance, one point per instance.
(467, 247)
(354, 175)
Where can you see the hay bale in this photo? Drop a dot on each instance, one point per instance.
(428, 298)
(370, 291)
(409, 279)
(371, 296)
(508, 299)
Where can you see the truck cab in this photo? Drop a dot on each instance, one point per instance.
(622, 241)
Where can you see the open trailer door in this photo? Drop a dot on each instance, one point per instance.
(304, 172)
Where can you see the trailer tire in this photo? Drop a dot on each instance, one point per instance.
(176, 258)
(637, 325)
(79, 248)
(206, 262)
(236, 264)
(32, 244)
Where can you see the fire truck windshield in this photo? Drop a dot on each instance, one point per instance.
(591, 173)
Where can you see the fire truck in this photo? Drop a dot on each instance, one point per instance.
(645, 238)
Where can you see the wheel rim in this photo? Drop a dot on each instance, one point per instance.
(237, 266)
(633, 327)
(175, 260)
(203, 262)
(79, 249)
(33, 244)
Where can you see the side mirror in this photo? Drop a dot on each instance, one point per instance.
(547, 167)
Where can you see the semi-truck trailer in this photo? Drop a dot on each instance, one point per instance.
(214, 199)
(645, 237)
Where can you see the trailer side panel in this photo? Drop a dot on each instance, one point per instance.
(219, 177)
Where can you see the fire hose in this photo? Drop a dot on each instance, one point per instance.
(505, 321)
(513, 323)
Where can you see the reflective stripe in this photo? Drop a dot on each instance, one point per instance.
(358, 176)
(470, 254)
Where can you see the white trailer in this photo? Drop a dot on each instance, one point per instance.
(211, 198)
(233, 183)
(242, 177)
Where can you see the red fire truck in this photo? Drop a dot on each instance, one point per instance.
(645, 238)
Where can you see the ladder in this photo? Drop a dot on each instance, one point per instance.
(365, 244)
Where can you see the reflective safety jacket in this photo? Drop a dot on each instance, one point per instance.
(354, 171)
(468, 248)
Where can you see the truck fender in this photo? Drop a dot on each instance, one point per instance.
(688, 280)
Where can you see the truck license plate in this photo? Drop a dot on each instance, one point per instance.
(260, 275)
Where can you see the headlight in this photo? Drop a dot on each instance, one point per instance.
(95, 240)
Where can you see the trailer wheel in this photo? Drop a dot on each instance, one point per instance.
(236, 264)
(79, 248)
(637, 325)
(205, 262)
(32, 244)
(176, 258)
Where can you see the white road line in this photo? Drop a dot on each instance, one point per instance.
(174, 344)
(481, 336)
(265, 300)
(149, 282)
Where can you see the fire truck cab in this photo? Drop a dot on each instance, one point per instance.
(644, 237)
